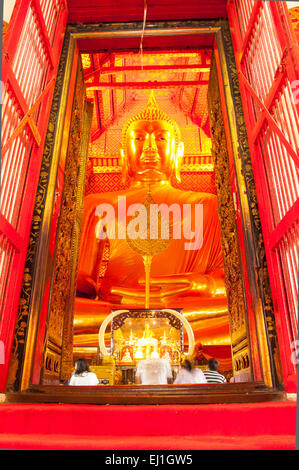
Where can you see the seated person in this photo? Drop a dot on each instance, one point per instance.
(154, 371)
(212, 375)
(190, 375)
(82, 374)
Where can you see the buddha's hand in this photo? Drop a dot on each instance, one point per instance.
(199, 284)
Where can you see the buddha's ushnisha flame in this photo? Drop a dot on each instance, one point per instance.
(151, 113)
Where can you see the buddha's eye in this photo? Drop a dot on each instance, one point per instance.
(162, 137)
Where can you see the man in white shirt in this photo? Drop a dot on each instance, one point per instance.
(154, 371)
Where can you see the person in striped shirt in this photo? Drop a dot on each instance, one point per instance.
(212, 375)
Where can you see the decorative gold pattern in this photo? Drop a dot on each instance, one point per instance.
(294, 15)
(62, 271)
(119, 320)
(226, 212)
(106, 169)
(67, 239)
(190, 168)
(67, 344)
(254, 243)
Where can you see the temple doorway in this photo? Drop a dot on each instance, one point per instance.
(194, 87)
(184, 98)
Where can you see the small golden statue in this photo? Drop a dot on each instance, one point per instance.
(147, 344)
(147, 333)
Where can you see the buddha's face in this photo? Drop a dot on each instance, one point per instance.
(151, 150)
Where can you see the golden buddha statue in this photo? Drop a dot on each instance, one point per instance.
(189, 272)
(147, 342)
(147, 333)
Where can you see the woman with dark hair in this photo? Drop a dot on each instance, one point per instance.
(190, 375)
(82, 374)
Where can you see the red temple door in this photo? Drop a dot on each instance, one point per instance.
(31, 51)
(267, 58)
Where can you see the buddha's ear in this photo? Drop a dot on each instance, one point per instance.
(124, 166)
(180, 150)
(178, 161)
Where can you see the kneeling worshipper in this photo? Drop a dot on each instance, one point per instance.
(154, 371)
(190, 375)
(82, 374)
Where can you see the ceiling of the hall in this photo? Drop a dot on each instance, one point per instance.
(115, 80)
(94, 11)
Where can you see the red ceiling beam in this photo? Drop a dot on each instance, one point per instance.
(97, 134)
(180, 52)
(97, 104)
(194, 101)
(153, 43)
(148, 68)
(145, 85)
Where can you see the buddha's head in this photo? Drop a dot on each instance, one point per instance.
(151, 147)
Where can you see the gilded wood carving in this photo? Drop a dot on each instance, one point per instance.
(229, 234)
(258, 271)
(60, 318)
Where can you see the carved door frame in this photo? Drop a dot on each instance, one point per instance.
(260, 323)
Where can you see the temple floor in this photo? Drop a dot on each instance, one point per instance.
(262, 426)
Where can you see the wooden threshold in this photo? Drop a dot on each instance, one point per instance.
(147, 395)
